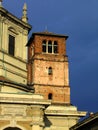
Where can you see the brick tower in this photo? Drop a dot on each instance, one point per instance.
(48, 66)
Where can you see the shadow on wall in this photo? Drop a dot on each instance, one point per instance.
(47, 122)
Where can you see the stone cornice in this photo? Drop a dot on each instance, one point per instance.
(64, 86)
(64, 111)
(13, 18)
(48, 57)
(5, 82)
(25, 99)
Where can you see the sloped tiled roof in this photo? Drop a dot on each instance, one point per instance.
(46, 33)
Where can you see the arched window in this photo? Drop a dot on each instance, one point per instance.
(50, 96)
(50, 71)
(44, 46)
(49, 46)
(55, 47)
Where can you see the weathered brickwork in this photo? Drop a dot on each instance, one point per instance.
(38, 43)
(56, 84)
(59, 94)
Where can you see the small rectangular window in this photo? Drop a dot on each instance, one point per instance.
(50, 71)
(11, 45)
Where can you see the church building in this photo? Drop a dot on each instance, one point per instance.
(34, 77)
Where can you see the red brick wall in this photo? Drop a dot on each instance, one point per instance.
(60, 94)
(58, 83)
(61, 43)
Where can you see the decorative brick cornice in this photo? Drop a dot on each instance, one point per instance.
(62, 86)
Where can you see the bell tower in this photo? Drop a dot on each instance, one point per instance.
(48, 66)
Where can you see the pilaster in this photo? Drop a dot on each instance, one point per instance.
(37, 117)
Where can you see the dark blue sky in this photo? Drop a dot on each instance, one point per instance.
(79, 20)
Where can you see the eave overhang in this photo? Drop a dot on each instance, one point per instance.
(45, 33)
